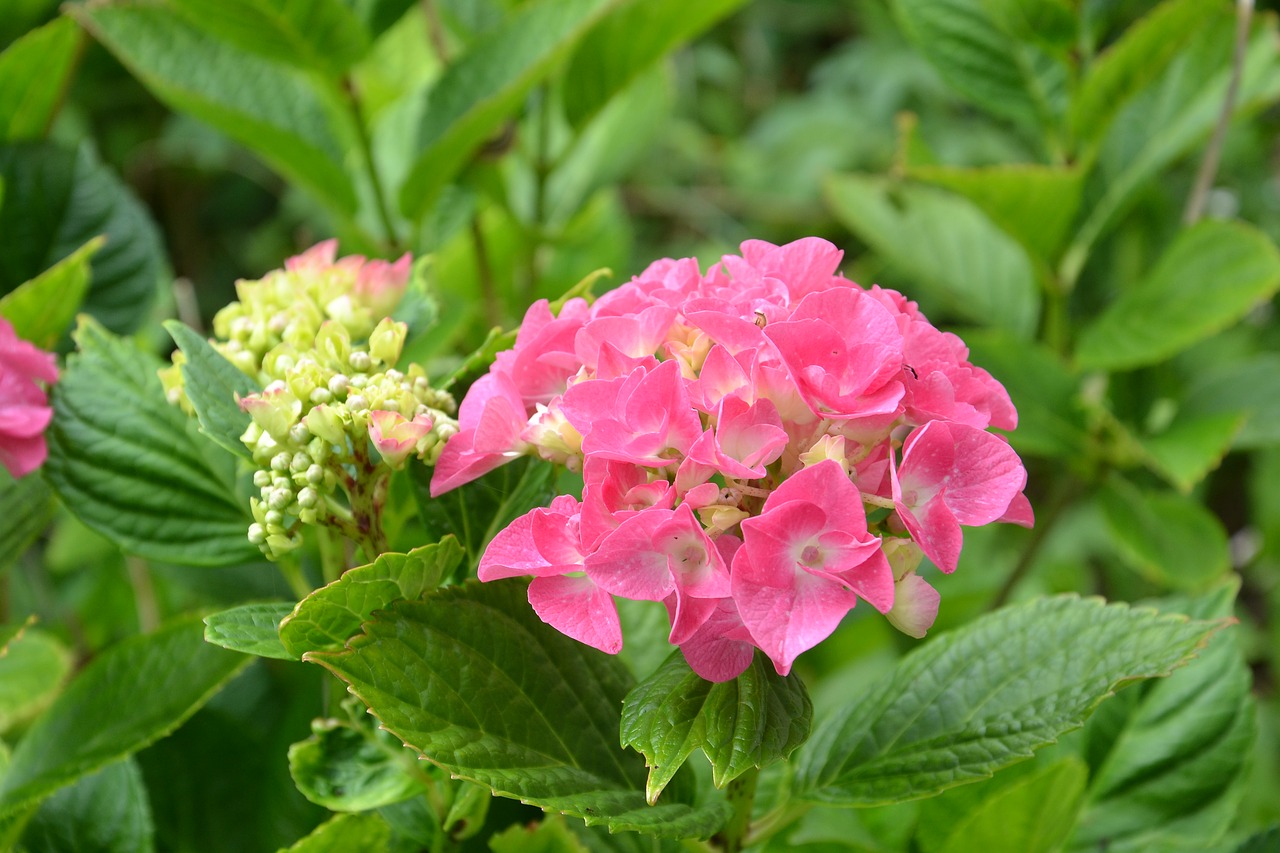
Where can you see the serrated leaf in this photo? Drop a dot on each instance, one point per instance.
(626, 43)
(1209, 278)
(350, 833)
(1191, 447)
(133, 467)
(972, 701)
(270, 108)
(130, 695)
(753, 720)
(57, 200)
(1172, 761)
(41, 309)
(947, 248)
(321, 35)
(250, 628)
(26, 505)
(353, 766)
(1036, 205)
(1033, 815)
(486, 86)
(34, 73)
(106, 812)
(1133, 62)
(475, 512)
(212, 384)
(33, 666)
(472, 679)
(328, 617)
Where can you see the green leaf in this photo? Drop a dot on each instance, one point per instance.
(1209, 278)
(351, 766)
(1033, 815)
(33, 666)
(964, 705)
(55, 202)
(321, 35)
(328, 617)
(1168, 538)
(350, 833)
(133, 467)
(944, 245)
(34, 74)
(477, 363)
(1191, 447)
(1172, 761)
(104, 812)
(486, 86)
(271, 108)
(1133, 62)
(753, 720)
(549, 835)
(476, 682)
(212, 384)
(26, 505)
(132, 694)
(475, 512)
(1250, 387)
(1036, 205)
(42, 309)
(978, 58)
(250, 628)
(626, 43)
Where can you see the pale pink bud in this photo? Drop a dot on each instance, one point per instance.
(396, 437)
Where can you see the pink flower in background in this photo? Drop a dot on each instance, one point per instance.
(24, 405)
(754, 442)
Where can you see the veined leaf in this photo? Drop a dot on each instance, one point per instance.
(328, 617)
(106, 812)
(270, 108)
(1192, 447)
(486, 86)
(623, 45)
(34, 73)
(946, 246)
(1209, 278)
(41, 309)
(1033, 815)
(26, 505)
(753, 720)
(249, 628)
(212, 384)
(132, 694)
(975, 700)
(133, 467)
(472, 679)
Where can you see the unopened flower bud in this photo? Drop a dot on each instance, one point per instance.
(360, 361)
(300, 462)
(280, 499)
(299, 433)
(262, 479)
(321, 395)
(315, 475)
(257, 534)
(273, 518)
(307, 497)
(338, 383)
(357, 403)
(386, 341)
(280, 462)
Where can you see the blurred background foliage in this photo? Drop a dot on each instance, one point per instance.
(1022, 169)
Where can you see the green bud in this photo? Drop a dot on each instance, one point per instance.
(280, 462)
(262, 479)
(315, 475)
(307, 498)
(326, 423)
(257, 534)
(273, 518)
(387, 340)
(300, 462)
(360, 361)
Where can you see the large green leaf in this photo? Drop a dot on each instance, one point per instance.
(983, 697)
(328, 617)
(753, 720)
(1209, 278)
(1133, 62)
(947, 248)
(1165, 771)
(486, 86)
(998, 72)
(33, 665)
(133, 467)
(1192, 446)
(472, 679)
(350, 833)
(104, 812)
(322, 35)
(212, 384)
(1250, 388)
(55, 201)
(1033, 815)
(26, 505)
(271, 108)
(250, 628)
(622, 46)
(132, 694)
(34, 73)
(41, 310)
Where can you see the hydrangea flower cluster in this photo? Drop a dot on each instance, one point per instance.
(24, 404)
(317, 336)
(761, 446)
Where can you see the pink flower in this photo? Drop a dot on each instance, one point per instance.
(397, 437)
(490, 422)
(24, 405)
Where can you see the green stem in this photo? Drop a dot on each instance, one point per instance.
(291, 569)
(742, 795)
(484, 274)
(332, 560)
(366, 154)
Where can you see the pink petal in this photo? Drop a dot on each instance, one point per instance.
(915, 606)
(578, 608)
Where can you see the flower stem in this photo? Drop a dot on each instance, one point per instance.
(742, 795)
(366, 154)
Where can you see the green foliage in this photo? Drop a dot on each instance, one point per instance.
(250, 628)
(33, 667)
(105, 811)
(358, 833)
(34, 73)
(41, 309)
(214, 387)
(1168, 537)
(1033, 815)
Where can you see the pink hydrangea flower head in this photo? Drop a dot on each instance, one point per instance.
(24, 404)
